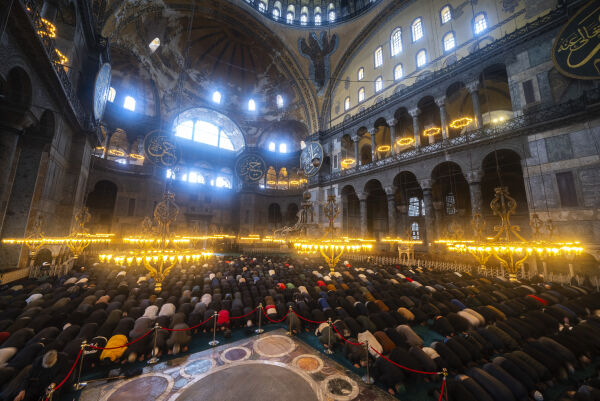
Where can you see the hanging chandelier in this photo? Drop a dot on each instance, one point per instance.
(507, 245)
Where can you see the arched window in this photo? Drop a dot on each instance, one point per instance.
(216, 97)
(262, 6)
(378, 84)
(414, 206)
(398, 72)
(445, 14)
(396, 42)
(223, 182)
(317, 19)
(112, 93)
(361, 95)
(195, 177)
(378, 57)
(283, 148)
(251, 105)
(417, 29)
(361, 74)
(291, 14)
(421, 58)
(479, 23)
(272, 146)
(154, 45)
(210, 128)
(129, 103)
(282, 179)
(271, 177)
(448, 41)
(276, 13)
(331, 12)
(347, 103)
(279, 101)
(450, 204)
(303, 19)
(414, 228)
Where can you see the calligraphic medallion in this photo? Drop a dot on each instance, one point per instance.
(250, 167)
(311, 158)
(576, 50)
(101, 89)
(161, 150)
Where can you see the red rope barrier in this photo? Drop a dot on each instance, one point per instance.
(124, 345)
(404, 367)
(308, 320)
(274, 321)
(442, 390)
(340, 334)
(247, 314)
(189, 328)
(68, 374)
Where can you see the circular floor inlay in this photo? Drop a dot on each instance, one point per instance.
(196, 367)
(308, 363)
(235, 354)
(340, 388)
(150, 387)
(274, 346)
(251, 381)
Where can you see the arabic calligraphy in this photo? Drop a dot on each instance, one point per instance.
(576, 50)
(312, 151)
(251, 168)
(160, 150)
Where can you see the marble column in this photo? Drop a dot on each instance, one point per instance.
(473, 88)
(441, 102)
(356, 139)
(373, 145)
(390, 193)
(392, 124)
(416, 131)
(429, 211)
(474, 180)
(21, 208)
(362, 197)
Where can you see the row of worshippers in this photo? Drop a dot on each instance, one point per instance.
(42, 325)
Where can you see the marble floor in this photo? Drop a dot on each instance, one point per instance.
(269, 367)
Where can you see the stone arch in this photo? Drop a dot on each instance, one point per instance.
(494, 94)
(365, 151)
(382, 139)
(459, 104)
(274, 217)
(377, 209)
(18, 89)
(408, 197)
(291, 214)
(429, 120)
(451, 196)
(350, 211)
(101, 203)
(503, 167)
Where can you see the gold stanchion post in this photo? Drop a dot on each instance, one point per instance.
(367, 379)
(214, 341)
(154, 358)
(260, 330)
(290, 333)
(78, 386)
(50, 392)
(329, 351)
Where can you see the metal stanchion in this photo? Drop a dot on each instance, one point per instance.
(214, 341)
(289, 332)
(154, 358)
(50, 392)
(260, 312)
(367, 379)
(328, 350)
(78, 386)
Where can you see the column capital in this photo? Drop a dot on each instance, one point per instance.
(414, 112)
(474, 177)
(472, 86)
(390, 191)
(391, 122)
(441, 101)
(362, 196)
(426, 184)
(355, 138)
